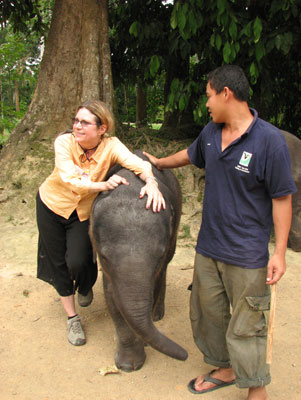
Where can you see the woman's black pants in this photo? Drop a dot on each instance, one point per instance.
(65, 254)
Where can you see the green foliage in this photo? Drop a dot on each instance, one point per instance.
(23, 23)
(186, 18)
(19, 63)
(139, 45)
(170, 48)
(155, 103)
(10, 117)
(262, 37)
(138, 39)
(3, 135)
(9, 120)
(154, 65)
(185, 230)
(26, 16)
(126, 101)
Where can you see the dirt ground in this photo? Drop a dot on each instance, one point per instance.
(37, 362)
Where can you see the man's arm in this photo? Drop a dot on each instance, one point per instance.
(174, 161)
(282, 217)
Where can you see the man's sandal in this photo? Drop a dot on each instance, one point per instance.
(219, 384)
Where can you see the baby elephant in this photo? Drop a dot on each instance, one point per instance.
(134, 246)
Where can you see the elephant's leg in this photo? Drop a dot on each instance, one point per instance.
(130, 354)
(294, 240)
(160, 284)
(159, 295)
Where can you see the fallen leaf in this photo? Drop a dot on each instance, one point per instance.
(109, 370)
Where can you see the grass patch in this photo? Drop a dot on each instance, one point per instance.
(185, 232)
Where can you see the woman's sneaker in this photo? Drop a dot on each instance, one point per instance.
(85, 301)
(75, 333)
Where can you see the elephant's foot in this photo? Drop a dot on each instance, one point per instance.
(130, 358)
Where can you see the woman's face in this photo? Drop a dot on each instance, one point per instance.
(86, 131)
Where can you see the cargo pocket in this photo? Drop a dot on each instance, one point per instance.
(253, 317)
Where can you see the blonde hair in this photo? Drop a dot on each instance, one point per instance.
(102, 113)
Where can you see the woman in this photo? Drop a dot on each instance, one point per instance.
(82, 160)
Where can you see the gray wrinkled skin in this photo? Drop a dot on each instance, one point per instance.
(294, 145)
(134, 246)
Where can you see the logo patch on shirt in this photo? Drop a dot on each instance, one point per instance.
(244, 162)
(245, 159)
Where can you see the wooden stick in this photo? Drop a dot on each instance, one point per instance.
(271, 325)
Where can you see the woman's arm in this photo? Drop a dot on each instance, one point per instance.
(112, 183)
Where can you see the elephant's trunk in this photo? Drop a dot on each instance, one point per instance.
(136, 309)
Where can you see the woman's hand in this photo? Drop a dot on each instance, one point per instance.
(114, 181)
(110, 184)
(153, 195)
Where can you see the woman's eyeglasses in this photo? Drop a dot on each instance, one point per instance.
(83, 123)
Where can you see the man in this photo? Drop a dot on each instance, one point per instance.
(248, 187)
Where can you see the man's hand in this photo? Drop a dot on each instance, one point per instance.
(276, 268)
(176, 160)
(154, 160)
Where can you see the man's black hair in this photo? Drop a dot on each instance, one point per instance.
(231, 76)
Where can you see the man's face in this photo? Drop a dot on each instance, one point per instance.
(215, 104)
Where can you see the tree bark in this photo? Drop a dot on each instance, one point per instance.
(177, 68)
(75, 67)
(141, 102)
(180, 123)
(17, 98)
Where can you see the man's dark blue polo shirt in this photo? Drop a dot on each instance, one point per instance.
(240, 184)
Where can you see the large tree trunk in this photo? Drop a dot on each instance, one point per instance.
(180, 124)
(177, 68)
(76, 66)
(141, 102)
(17, 97)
